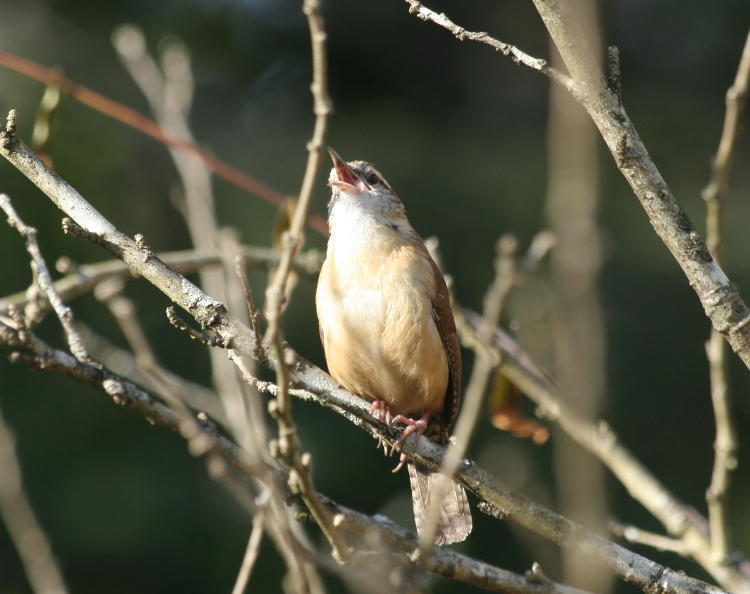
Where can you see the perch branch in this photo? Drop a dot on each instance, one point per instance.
(442, 561)
(598, 438)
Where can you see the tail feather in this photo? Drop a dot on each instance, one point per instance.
(454, 523)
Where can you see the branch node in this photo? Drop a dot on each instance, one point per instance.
(8, 134)
(140, 243)
(181, 324)
(536, 575)
(115, 389)
(614, 77)
(491, 510)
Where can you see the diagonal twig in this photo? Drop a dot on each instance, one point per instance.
(31, 542)
(44, 279)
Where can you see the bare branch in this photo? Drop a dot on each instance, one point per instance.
(715, 195)
(721, 301)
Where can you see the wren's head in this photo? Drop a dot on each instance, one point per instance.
(359, 191)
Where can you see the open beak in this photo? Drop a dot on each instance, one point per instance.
(346, 178)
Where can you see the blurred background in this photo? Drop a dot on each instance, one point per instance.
(461, 133)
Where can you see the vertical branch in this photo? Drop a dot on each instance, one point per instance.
(715, 195)
(288, 444)
(509, 272)
(577, 331)
(494, 303)
(169, 92)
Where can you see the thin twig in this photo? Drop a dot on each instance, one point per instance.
(715, 195)
(288, 444)
(31, 542)
(252, 311)
(518, 56)
(44, 279)
(659, 542)
(251, 554)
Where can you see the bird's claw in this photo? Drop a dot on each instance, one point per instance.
(417, 426)
(381, 411)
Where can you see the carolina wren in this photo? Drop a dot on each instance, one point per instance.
(386, 324)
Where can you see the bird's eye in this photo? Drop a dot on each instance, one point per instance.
(372, 178)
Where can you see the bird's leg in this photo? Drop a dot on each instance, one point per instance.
(417, 426)
(381, 411)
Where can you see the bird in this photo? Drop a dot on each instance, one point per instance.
(387, 327)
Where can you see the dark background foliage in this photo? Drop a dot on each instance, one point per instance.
(460, 132)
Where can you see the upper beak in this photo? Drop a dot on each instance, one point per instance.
(344, 173)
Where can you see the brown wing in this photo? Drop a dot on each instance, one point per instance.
(443, 316)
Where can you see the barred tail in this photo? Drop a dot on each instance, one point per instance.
(454, 523)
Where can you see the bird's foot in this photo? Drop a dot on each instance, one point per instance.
(417, 426)
(381, 411)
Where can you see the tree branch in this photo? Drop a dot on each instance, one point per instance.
(213, 316)
(720, 299)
